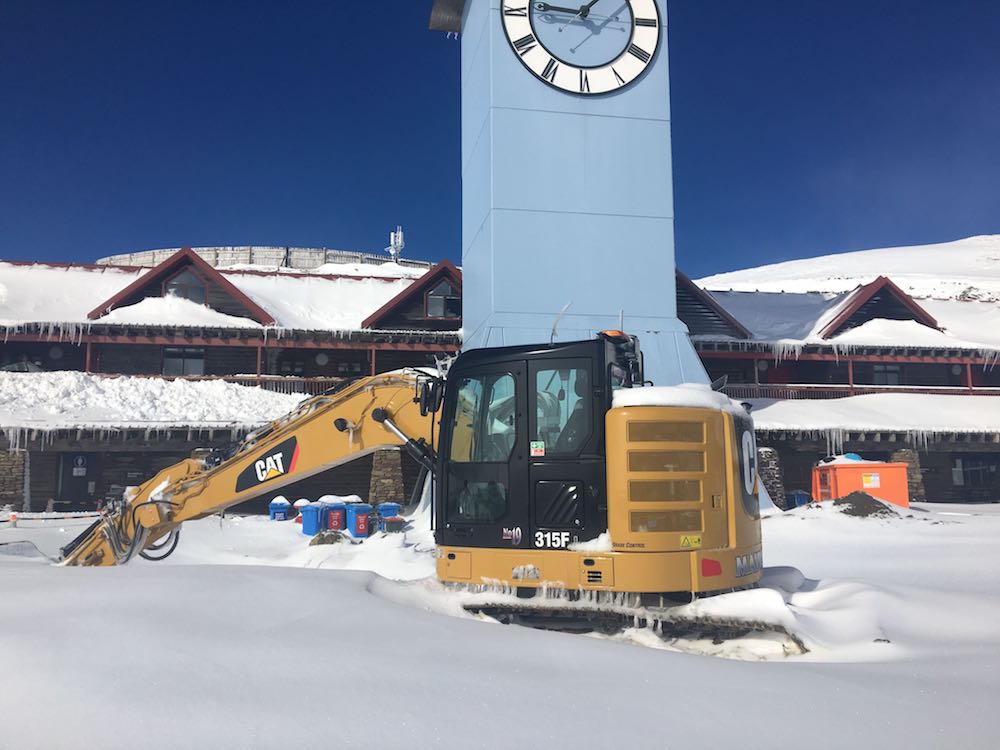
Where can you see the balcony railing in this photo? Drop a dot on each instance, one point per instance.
(288, 384)
(825, 390)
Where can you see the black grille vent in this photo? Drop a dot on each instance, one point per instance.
(595, 576)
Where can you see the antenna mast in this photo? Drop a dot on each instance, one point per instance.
(396, 244)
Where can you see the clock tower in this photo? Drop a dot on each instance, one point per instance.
(567, 195)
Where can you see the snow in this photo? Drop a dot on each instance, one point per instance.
(794, 319)
(385, 270)
(63, 296)
(902, 412)
(601, 543)
(319, 303)
(919, 415)
(964, 269)
(64, 400)
(882, 332)
(788, 304)
(158, 310)
(696, 395)
(40, 293)
(246, 637)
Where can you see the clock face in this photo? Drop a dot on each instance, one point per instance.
(592, 48)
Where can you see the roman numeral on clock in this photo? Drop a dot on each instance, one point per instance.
(519, 12)
(639, 52)
(646, 22)
(584, 82)
(620, 79)
(549, 73)
(525, 44)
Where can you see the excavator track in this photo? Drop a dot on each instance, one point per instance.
(612, 614)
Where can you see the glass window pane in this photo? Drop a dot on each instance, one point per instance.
(435, 307)
(563, 404)
(453, 307)
(485, 427)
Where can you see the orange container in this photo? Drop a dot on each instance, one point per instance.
(882, 480)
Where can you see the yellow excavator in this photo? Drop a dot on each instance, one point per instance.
(556, 470)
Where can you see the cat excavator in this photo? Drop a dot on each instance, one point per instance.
(568, 493)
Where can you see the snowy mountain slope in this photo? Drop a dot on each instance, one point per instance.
(966, 269)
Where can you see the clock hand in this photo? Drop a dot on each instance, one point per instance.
(544, 7)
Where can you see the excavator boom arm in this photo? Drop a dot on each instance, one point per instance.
(321, 433)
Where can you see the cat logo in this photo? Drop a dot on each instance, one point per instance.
(277, 462)
(270, 467)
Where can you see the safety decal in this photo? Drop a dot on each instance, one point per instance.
(537, 448)
(690, 541)
(273, 464)
(871, 481)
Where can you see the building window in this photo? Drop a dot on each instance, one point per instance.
(443, 301)
(183, 361)
(974, 471)
(887, 375)
(187, 285)
(349, 369)
(292, 367)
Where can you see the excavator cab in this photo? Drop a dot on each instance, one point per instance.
(521, 459)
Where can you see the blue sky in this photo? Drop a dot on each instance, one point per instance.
(799, 128)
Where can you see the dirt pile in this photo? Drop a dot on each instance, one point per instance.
(863, 505)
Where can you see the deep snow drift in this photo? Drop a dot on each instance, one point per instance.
(249, 638)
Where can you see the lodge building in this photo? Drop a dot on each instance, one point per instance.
(871, 370)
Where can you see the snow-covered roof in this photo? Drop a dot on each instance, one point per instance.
(967, 269)
(955, 285)
(332, 297)
(916, 414)
(47, 401)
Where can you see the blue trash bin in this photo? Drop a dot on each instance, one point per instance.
(798, 498)
(357, 519)
(311, 519)
(278, 509)
(386, 510)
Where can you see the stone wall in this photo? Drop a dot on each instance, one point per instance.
(12, 479)
(387, 478)
(914, 476)
(769, 468)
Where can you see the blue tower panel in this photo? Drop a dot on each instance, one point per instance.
(566, 198)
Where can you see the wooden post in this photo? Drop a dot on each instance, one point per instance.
(88, 364)
(968, 375)
(850, 375)
(260, 360)
(372, 354)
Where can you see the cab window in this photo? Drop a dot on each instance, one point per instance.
(563, 411)
(485, 419)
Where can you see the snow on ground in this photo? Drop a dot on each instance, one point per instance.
(248, 638)
(964, 269)
(53, 400)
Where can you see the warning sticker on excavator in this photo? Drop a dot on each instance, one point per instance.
(690, 541)
(537, 448)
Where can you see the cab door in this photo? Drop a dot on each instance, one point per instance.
(566, 473)
(484, 479)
